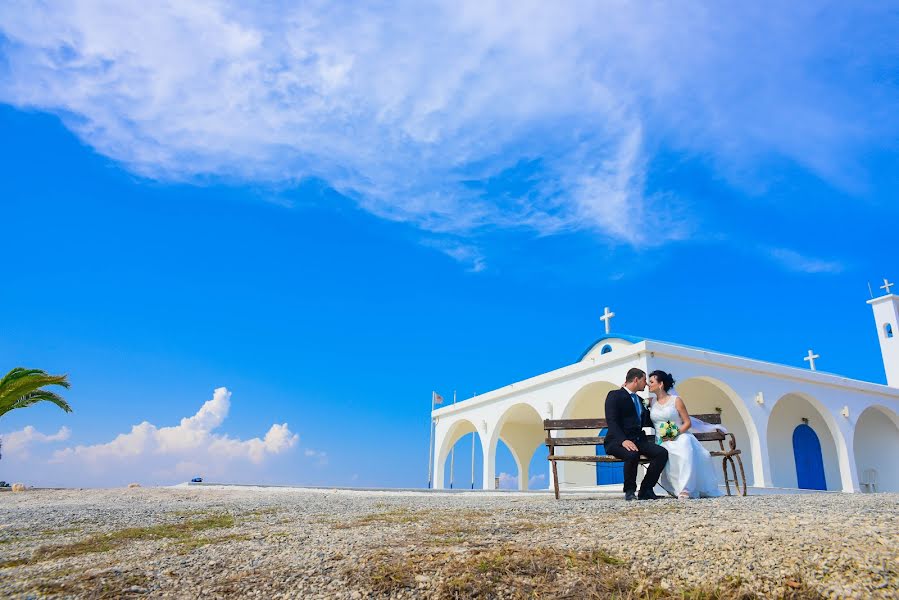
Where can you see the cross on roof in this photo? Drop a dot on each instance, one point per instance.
(811, 359)
(607, 319)
(887, 285)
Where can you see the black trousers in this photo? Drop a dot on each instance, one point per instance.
(658, 458)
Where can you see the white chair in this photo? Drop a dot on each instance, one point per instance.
(869, 480)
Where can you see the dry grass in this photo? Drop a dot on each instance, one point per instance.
(526, 572)
(188, 545)
(454, 529)
(63, 531)
(262, 512)
(104, 542)
(16, 537)
(104, 585)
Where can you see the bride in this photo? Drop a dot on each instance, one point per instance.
(689, 472)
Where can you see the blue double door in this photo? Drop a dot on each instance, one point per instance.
(607, 473)
(809, 461)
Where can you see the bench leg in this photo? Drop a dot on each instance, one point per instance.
(555, 478)
(742, 474)
(724, 467)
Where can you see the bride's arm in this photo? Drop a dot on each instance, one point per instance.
(684, 415)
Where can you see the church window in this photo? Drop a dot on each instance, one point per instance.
(605, 349)
(888, 330)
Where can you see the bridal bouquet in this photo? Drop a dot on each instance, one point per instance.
(667, 431)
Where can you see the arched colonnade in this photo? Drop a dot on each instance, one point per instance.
(804, 446)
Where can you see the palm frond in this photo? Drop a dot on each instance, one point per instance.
(38, 396)
(16, 373)
(23, 387)
(26, 381)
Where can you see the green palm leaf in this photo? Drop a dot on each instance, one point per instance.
(23, 387)
(40, 396)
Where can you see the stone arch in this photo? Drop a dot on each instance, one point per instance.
(704, 395)
(459, 429)
(787, 414)
(589, 402)
(521, 429)
(876, 446)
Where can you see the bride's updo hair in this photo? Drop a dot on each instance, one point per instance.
(664, 378)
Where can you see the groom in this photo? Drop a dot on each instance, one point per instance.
(626, 417)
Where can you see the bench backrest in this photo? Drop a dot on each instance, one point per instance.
(557, 424)
(551, 425)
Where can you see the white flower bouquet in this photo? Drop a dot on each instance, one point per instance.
(667, 431)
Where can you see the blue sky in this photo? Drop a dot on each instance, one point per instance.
(332, 211)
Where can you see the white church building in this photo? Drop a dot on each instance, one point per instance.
(796, 427)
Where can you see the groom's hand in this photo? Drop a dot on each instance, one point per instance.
(629, 445)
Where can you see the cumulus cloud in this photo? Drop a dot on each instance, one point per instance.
(152, 454)
(17, 443)
(510, 482)
(416, 111)
(193, 436)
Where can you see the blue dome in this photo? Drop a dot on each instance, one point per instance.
(612, 336)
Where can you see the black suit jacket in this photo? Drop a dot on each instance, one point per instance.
(621, 417)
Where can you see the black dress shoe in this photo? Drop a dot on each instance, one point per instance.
(649, 496)
(630, 496)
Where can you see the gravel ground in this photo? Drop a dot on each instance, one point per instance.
(285, 542)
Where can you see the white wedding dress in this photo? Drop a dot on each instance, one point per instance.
(690, 468)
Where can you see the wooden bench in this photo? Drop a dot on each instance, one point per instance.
(730, 456)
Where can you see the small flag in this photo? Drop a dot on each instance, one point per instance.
(436, 398)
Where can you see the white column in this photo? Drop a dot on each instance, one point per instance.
(441, 430)
(523, 476)
(490, 468)
(846, 455)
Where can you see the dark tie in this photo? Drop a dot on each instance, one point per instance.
(637, 406)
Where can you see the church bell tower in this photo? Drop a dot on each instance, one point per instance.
(886, 317)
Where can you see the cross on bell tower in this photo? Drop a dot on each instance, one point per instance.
(607, 319)
(887, 285)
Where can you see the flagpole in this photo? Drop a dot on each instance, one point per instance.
(452, 452)
(431, 441)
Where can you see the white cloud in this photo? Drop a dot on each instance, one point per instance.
(321, 456)
(412, 110)
(193, 437)
(17, 443)
(151, 454)
(794, 261)
(460, 252)
(507, 481)
(510, 482)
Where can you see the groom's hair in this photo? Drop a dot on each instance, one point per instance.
(633, 374)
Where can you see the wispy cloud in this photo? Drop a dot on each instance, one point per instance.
(794, 261)
(320, 456)
(404, 108)
(151, 454)
(466, 254)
